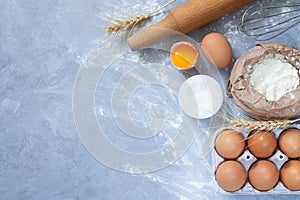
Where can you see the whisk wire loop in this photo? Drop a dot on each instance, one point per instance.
(265, 22)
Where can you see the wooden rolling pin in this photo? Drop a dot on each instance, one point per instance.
(185, 18)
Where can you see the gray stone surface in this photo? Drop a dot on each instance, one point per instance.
(41, 156)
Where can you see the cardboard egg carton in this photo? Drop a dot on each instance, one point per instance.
(247, 159)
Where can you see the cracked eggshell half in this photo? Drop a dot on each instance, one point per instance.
(264, 82)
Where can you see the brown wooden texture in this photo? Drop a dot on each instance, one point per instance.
(185, 18)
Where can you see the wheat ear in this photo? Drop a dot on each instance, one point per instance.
(260, 125)
(132, 22)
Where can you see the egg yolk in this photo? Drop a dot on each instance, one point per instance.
(183, 55)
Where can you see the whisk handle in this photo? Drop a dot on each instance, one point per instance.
(185, 18)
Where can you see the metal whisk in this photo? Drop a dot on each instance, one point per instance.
(265, 21)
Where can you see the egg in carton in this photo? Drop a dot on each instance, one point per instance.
(250, 161)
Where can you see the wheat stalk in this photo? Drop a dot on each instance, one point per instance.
(128, 23)
(260, 125)
(132, 22)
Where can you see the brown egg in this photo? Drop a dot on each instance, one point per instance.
(261, 144)
(231, 175)
(289, 142)
(263, 175)
(290, 174)
(230, 144)
(217, 50)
